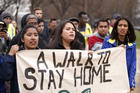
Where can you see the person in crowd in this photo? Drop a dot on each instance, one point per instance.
(23, 20)
(52, 25)
(95, 41)
(65, 37)
(6, 33)
(75, 21)
(123, 35)
(15, 26)
(43, 40)
(113, 19)
(95, 26)
(29, 39)
(7, 18)
(31, 19)
(40, 26)
(4, 43)
(38, 12)
(28, 19)
(84, 28)
(4, 37)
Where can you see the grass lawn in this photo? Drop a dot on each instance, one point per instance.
(138, 39)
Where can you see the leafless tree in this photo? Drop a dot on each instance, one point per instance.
(61, 6)
(95, 8)
(4, 4)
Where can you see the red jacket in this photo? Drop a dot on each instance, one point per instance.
(92, 40)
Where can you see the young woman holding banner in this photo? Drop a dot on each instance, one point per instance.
(65, 37)
(123, 35)
(8, 71)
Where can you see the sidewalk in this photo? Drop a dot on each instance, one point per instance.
(137, 89)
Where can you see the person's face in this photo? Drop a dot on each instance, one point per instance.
(103, 28)
(122, 28)
(52, 25)
(39, 14)
(68, 33)
(14, 23)
(76, 24)
(40, 27)
(7, 20)
(84, 18)
(30, 39)
(32, 21)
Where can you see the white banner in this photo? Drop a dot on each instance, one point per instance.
(72, 71)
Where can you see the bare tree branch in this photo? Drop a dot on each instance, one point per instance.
(95, 8)
(7, 3)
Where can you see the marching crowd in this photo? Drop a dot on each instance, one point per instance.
(72, 33)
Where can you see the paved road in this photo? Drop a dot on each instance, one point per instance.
(137, 90)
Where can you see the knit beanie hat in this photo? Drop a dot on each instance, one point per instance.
(6, 14)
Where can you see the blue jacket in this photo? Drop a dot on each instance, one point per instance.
(8, 72)
(2, 88)
(130, 57)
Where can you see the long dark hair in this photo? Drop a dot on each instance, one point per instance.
(130, 36)
(57, 39)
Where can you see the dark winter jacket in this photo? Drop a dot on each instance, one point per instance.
(8, 71)
(2, 88)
